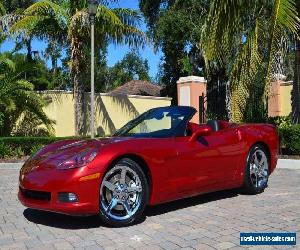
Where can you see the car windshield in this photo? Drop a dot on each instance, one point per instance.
(159, 123)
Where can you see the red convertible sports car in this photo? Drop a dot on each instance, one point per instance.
(158, 157)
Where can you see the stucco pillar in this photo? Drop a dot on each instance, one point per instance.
(189, 90)
(274, 101)
(279, 102)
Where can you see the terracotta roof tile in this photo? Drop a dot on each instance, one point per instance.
(138, 87)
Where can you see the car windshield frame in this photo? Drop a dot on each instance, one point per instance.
(176, 131)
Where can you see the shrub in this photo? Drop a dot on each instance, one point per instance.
(5, 151)
(290, 139)
(16, 147)
(280, 121)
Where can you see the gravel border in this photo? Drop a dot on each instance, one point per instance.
(13, 166)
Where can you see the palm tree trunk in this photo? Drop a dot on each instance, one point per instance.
(296, 87)
(296, 83)
(77, 70)
(29, 49)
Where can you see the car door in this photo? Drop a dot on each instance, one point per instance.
(210, 160)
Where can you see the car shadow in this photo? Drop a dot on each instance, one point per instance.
(73, 222)
(190, 202)
(62, 221)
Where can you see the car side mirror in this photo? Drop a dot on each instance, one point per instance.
(203, 130)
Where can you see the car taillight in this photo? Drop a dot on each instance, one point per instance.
(79, 160)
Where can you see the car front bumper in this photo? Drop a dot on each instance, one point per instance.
(39, 189)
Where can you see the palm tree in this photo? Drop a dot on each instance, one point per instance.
(245, 36)
(68, 23)
(2, 9)
(296, 83)
(2, 12)
(18, 99)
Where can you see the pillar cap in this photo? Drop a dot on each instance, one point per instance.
(195, 79)
(279, 77)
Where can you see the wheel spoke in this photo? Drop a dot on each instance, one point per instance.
(133, 190)
(127, 207)
(112, 204)
(252, 169)
(109, 185)
(256, 179)
(123, 176)
(262, 160)
(256, 160)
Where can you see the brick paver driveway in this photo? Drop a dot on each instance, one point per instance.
(211, 221)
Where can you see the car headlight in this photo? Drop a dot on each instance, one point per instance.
(80, 160)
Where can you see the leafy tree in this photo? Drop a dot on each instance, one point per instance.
(14, 10)
(131, 67)
(16, 5)
(68, 22)
(17, 99)
(257, 27)
(175, 28)
(35, 71)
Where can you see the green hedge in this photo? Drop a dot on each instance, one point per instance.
(289, 134)
(290, 139)
(17, 147)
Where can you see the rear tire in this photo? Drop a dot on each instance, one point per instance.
(257, 170)
(124, 193)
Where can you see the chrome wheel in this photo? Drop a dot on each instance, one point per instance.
(259, 169)
(121, 193)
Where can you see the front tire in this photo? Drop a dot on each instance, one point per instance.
(124, 193)
(257, 170)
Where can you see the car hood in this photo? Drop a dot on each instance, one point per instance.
(54, 154)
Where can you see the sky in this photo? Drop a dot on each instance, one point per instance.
(115, 53)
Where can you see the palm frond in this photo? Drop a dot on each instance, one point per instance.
(48, 9)
(42, 19)
(119, 26)
(2, 9)
(34, 105)
(106, 16)
(242, 74)
(8, 20)
(127, 35)
(284, 21)
(222, 27)
(27, 24)
(6, 64)
(128, 16)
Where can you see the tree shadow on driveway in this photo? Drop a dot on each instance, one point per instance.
(73, 222)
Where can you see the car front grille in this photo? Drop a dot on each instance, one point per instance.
(36, 195)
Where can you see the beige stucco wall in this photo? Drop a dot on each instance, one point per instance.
(111, 112)
(285, 96)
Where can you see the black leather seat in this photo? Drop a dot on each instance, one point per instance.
(214, 124)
